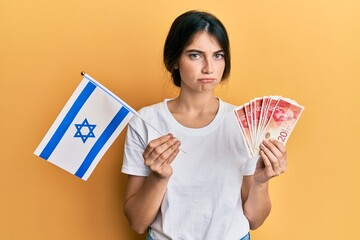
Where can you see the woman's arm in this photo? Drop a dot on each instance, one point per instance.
(144, 194)
(256, 201)
(255, 189)
(143, 199)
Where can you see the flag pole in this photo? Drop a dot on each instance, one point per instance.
(122, 102)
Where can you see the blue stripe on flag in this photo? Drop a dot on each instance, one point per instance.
(68, 119)
(110, 129)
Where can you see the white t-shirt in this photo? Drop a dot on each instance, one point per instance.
(203, 196)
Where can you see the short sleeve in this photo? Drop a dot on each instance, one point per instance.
(250, 166)
(135, 145)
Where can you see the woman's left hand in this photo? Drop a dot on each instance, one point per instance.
(272, 161)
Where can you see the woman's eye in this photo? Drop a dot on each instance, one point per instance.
(194, 56)
(219, 56)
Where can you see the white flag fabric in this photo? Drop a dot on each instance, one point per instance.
(86, 127)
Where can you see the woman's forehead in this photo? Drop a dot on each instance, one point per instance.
(204, 41)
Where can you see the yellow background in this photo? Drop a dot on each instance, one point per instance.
(306, 50)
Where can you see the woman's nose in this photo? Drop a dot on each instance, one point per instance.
(208, 67)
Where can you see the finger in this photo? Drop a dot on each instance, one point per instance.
(155, 143)
(282, 155)
(168, 162)
(269, 172)
(161, 152)
(164, 169)
(279, 145)
(274, 160)
(173, 155)
(167, 155)
(272, 145)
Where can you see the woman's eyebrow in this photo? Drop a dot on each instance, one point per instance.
(202, 52)
(194, 50)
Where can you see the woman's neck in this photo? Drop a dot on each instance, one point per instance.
(196, 102)
(195, 110)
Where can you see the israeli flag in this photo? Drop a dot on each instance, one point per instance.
(85, 128)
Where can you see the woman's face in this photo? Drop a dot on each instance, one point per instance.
(202, 63)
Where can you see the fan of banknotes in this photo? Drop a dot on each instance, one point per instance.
(267, 117)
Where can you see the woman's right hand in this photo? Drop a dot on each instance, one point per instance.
(160, 153)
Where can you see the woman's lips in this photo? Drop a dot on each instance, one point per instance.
(206, 80)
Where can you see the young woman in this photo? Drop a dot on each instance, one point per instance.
(197, 182)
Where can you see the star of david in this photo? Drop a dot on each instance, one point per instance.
(84, 135)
